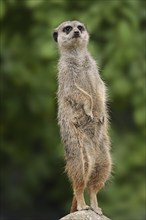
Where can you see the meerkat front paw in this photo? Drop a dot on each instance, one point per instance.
(101, 119)
(89, 114)
(88, 111)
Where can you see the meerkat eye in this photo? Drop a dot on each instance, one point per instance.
(81, 28)
(67, 29)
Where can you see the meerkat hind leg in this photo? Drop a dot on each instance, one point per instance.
(79, 195)
(74, 205)
(94, 203)
(93, 188)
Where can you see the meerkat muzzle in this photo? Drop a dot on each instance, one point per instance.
(76, 34)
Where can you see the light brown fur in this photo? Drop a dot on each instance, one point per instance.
(82, 115)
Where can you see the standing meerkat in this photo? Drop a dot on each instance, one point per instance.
(82, 115)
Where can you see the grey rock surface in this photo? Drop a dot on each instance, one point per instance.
(84, 215)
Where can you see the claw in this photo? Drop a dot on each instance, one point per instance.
(101, 120)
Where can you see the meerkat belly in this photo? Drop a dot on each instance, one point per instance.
(71, 112)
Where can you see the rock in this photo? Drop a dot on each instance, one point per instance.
(84, 215)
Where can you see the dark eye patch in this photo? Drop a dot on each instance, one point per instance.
(67, 29)
(81, 28)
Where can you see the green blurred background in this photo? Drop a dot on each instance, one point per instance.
(33, 183)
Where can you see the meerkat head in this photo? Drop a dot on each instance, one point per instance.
(71, 34)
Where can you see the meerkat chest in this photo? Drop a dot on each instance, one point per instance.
(80, 71)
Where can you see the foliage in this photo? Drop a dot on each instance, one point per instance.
(33, 181)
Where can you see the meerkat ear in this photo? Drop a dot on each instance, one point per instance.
(55, 35)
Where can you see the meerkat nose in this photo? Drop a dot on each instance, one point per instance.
(76, 33)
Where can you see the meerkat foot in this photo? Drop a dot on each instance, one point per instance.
(97, 210)
(83, 207)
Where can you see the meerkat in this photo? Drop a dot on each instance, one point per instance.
(82, 115)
